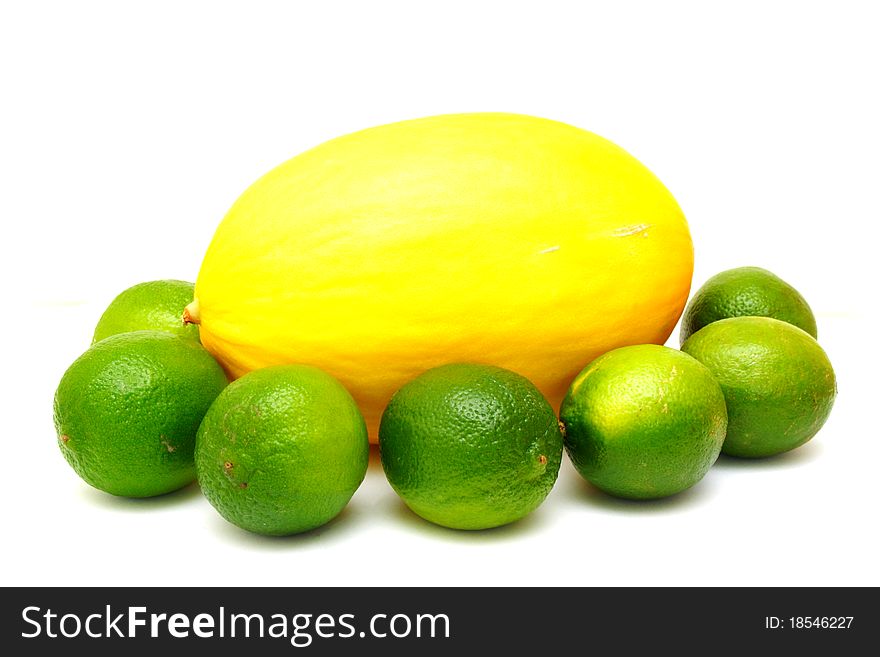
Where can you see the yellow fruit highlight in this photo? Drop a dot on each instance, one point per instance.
(493, 238)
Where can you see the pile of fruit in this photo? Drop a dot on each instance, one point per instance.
(441, 287)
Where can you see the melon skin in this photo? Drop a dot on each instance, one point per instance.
(501, 239)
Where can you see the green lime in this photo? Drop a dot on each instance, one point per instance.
(644, 422)
(746, 291)
(128, 409)
(470, 446)
(282, 450)
(155, 305)
(777, 380)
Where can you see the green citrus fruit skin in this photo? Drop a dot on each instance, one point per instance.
(644, 422)
(778, 382)
(282, 450)
(746, 291)
(127, 411)
(153, 306)
(470, 446)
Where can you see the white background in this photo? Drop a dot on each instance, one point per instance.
(128, 129)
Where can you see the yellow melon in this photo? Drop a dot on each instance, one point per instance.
(493, 238)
